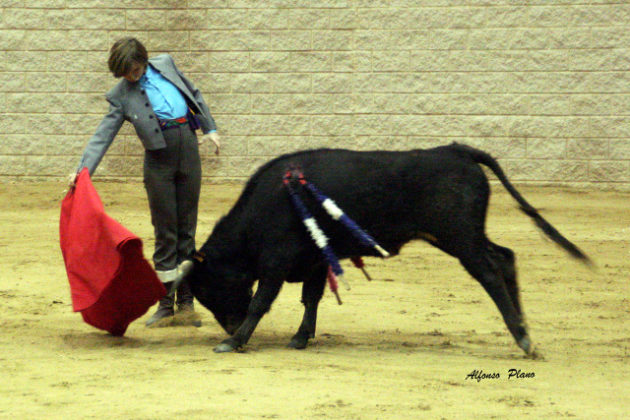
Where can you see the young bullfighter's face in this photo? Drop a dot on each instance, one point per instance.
(135, 73)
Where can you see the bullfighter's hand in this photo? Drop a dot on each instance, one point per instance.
(214, 138)
(72, 180)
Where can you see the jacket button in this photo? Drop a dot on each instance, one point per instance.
(151, 116)
(147, 104)
(157, 130)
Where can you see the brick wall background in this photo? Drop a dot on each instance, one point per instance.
(543, 85)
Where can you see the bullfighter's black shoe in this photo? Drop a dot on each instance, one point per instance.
(163, 317)
(185, 314)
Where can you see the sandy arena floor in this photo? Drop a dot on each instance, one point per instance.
(399, 347)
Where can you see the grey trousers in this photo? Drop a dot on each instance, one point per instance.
(172, 178)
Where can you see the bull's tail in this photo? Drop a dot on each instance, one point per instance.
(485, 159)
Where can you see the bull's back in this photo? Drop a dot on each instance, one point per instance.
(392, 195)
(352, 175)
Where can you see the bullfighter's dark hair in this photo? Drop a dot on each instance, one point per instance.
(124, 53)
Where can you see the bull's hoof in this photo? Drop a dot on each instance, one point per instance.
(526, 344)
(298, 343)
(228, 345)
(224, 348)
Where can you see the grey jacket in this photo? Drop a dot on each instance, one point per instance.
(129, 102)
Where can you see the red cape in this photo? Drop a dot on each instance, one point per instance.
(111, 282)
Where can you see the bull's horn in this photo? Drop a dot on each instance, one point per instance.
(182, 271)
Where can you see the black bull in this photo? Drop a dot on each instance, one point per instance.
(439, 195)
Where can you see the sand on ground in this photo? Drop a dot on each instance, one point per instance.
(402, 346)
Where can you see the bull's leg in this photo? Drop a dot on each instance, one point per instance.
(267, 292)
(312, 291)
(481, 266)
(504, 259)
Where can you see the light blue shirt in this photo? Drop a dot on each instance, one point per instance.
(167, 101)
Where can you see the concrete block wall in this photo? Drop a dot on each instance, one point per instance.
(544, 86)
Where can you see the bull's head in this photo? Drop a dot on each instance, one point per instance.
(225, 291)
